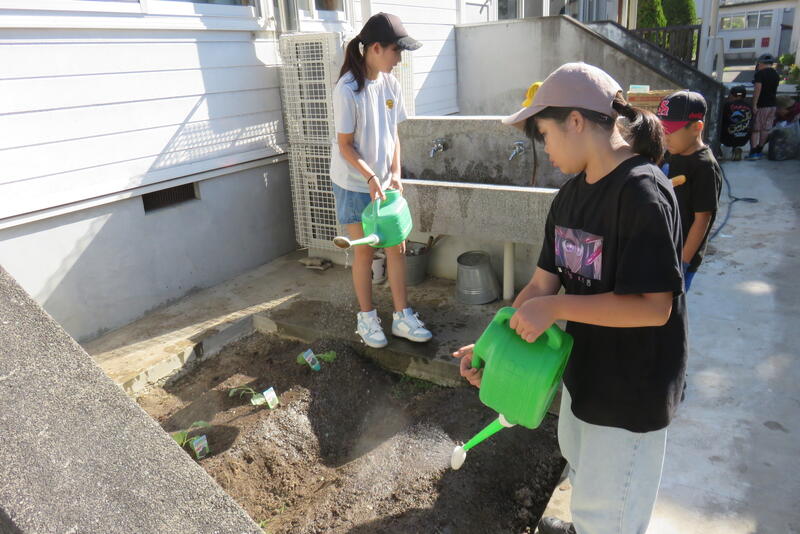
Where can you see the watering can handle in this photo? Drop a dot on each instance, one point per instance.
(555, 336)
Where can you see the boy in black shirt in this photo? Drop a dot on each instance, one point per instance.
(737, 118)
(694, 172)
(765, 90)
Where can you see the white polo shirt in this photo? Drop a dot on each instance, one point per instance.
(372, 115)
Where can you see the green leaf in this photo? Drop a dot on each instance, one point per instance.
(328, 357)
(180, 437)
(200, 424)
(300, 359)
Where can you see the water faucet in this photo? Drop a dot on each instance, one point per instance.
(519, 148)
(439, 145)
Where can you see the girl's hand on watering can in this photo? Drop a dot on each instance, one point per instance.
(473, 376)
(375, 189)
(533, 318)
(396, 183)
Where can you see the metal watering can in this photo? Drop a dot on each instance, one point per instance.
(519, 380)
(386, 223)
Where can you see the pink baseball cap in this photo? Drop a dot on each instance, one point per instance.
(572, 85)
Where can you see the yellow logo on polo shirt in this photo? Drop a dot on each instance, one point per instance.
(679, 180)
(390, 103)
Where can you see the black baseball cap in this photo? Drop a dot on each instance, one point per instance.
(739, 90)
(680, 108)
(767, 59)
(387, 28)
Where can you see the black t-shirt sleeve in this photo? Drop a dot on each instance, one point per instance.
(547, 257)
(758, 77)
(704, 187)
(649, 241)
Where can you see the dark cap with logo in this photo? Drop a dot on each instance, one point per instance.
(680, 108)
(387, 28)
(766, 59)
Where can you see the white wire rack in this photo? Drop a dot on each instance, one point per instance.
(404, 72)
(312, 198)
(309, 72)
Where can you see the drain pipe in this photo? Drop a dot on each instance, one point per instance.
(508, 270)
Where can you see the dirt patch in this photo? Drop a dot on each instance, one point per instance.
(353, 449)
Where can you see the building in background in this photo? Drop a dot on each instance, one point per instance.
(752, 28)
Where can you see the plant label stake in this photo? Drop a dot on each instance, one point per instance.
(309, 357)
(272, 398)
(200, 446)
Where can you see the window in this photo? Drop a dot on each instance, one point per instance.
(742, 43)
(751, 20)
(320, 10)
(150, 14)
(220, 2)
(732, 22)
(329, 5)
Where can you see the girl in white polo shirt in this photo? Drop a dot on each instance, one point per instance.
(368, 106)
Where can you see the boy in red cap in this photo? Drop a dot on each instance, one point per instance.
(695, 173)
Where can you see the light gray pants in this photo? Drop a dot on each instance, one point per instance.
(614, 473)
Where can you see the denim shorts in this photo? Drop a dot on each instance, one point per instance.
(349, 204)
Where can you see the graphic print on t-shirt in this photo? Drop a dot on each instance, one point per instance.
(579, 252)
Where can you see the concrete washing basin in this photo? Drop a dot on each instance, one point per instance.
(462, 181)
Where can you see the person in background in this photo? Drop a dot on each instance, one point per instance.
(695, 174)
(737, 119)
(787, 110)
(765, 90)
(367, 107)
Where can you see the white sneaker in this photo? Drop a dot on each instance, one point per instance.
(369, 328)
(406, 324)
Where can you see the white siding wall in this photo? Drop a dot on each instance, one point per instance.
(435, 89)
(87, 113)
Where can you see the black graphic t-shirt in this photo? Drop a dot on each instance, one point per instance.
(769, 80)
(736, 118)
(621, 234)
(697, 180)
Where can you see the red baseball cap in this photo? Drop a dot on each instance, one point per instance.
(680, 108)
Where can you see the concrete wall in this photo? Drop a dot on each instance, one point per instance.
(478, 151)
(493, 79)
(80, 456)
(103, 267)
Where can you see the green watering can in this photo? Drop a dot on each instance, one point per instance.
(519, 380)
(386, 223)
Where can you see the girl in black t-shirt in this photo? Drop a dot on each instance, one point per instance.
(613, 242)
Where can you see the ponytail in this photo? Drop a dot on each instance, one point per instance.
(644, 131)
(354, 63)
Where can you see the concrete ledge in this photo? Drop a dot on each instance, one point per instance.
(135, 374)
(496, 212)
(78, 455)
(400, 356)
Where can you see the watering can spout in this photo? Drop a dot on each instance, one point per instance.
(345, 243)
(460, 452)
